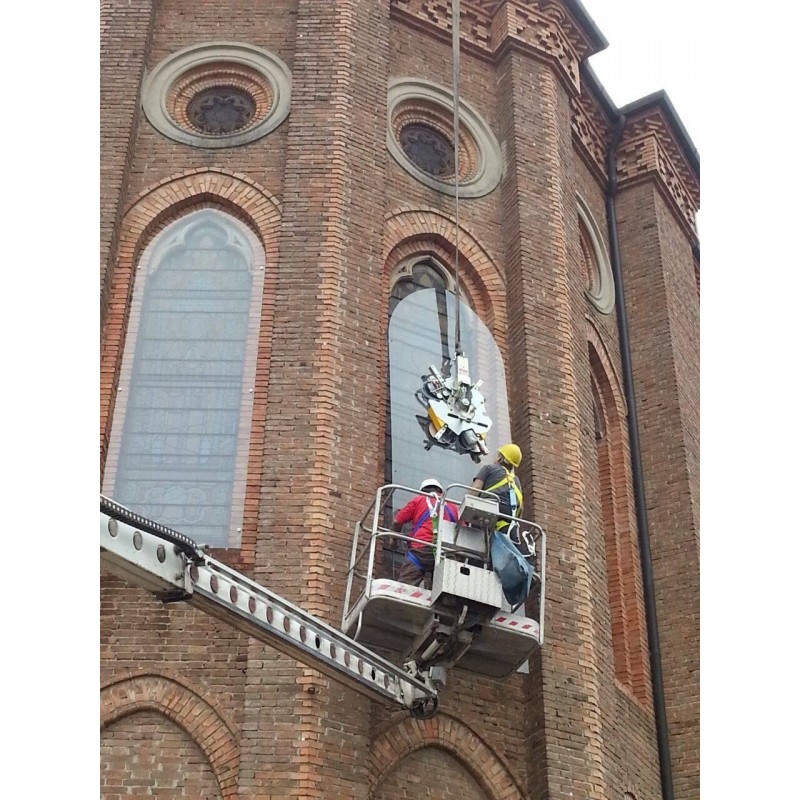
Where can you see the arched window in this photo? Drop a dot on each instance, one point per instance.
(623, 570)
(181, 430)
(422, 333)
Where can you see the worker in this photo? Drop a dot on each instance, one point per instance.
(423, 512)
(500, 478)
(508, 561)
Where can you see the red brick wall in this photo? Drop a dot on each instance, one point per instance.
(146, 754)
(447, 743)
(179, 24)
(139, 633)
(336, 213)
(631, 743)
(125, 32)
(663, 309)
(429, 774)
(423, 217)
(567, 732)
(326, 319)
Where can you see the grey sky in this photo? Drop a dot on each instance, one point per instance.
(652, 46)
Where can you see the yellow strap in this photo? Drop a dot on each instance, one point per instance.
(509, 480)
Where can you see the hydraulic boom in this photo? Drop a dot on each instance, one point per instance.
(174, 568)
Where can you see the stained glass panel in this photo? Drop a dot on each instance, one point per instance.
(181, 427)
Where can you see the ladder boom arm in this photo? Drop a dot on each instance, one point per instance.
(171, 566)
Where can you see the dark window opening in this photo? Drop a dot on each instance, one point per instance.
(428, 149)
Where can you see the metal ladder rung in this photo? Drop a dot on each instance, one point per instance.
(150, 562)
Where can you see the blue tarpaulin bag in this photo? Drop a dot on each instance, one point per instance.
(514, 571)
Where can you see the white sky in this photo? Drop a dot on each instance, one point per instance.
(651, 46)
(727, 68)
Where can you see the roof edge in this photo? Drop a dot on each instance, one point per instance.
(589, 76)
(661, 99)
(587, 23)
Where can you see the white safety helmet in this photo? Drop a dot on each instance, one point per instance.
(430, 483)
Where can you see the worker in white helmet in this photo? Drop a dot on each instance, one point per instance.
(423, 512)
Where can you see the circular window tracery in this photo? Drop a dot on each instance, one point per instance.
(217, 94)
(429, 149)
(420, 138)
(221, 110)
(415, 274)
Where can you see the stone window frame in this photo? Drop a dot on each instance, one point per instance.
(149, 260)
(428, 103)
(405, 271)
(148, 213)
(443, 265)
(600, 291)
(267, 75)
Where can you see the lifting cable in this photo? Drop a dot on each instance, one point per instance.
(456, 13)
(456, 415)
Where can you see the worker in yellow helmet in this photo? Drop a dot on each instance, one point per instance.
(501, 479)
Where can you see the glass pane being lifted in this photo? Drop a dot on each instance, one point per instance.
(421, 330)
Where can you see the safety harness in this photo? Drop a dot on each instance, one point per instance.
(429, 513)
(514, 496)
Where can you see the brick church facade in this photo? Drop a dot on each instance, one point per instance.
(308, 143)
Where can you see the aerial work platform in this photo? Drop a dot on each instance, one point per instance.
(463, 620)
(394, 614)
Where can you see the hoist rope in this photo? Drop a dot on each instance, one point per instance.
(456, 13)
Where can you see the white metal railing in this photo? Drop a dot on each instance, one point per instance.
(371, 529)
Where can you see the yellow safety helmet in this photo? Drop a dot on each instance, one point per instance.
(511, 453)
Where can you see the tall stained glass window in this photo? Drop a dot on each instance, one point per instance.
(181, 430)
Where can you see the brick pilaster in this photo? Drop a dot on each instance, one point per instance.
(663, 312)
(125, 34)
(322, 420)
(547, 360)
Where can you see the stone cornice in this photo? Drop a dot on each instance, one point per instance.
(651, 148)
(548, 29)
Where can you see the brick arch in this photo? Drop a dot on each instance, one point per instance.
(150, 212)
(628, 629)
(447, 733)
(215, 736)
(153, 207)
(410, 232)
(614, 388)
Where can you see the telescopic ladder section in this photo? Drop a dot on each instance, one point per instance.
(174, 568)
